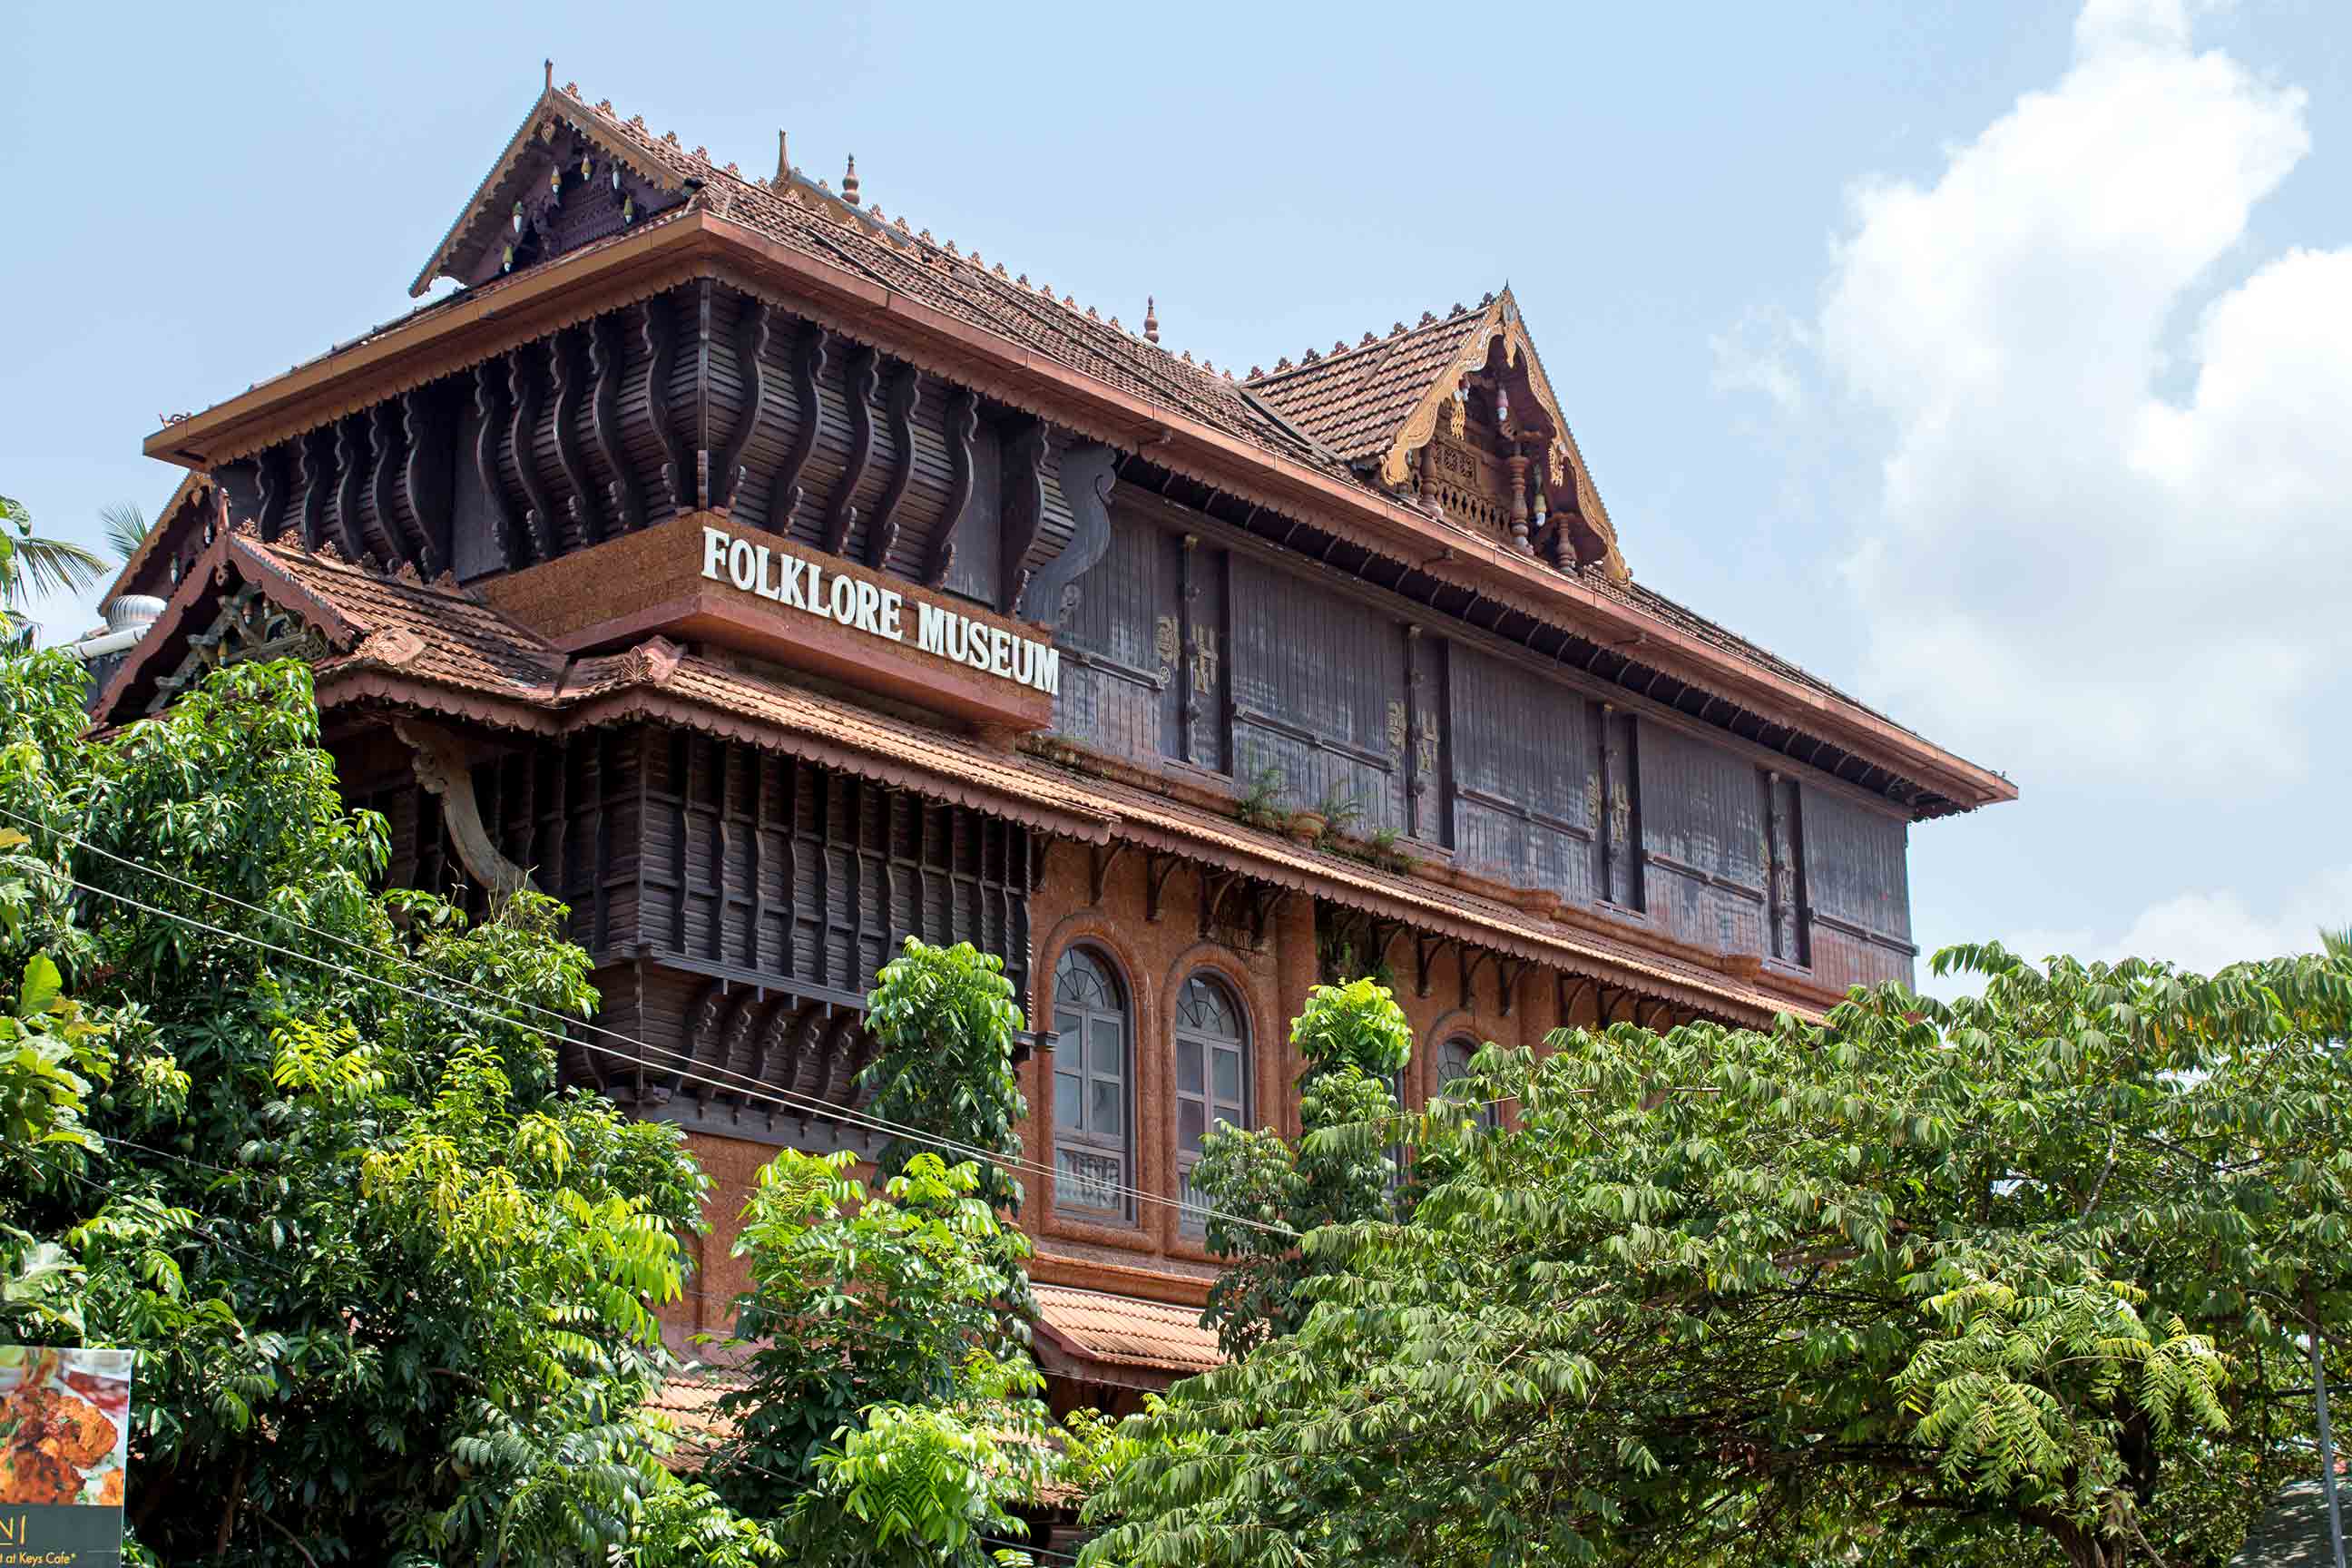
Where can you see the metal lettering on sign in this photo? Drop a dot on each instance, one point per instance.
(863, 606)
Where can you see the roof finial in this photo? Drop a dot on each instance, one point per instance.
(548, 66)
(849, 182)
(783, 161)
(1150, 319)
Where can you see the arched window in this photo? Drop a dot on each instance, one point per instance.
(1093, 1147)
(1213, 1074)
(1453, 1062)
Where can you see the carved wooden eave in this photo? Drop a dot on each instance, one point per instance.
(195, 604)
(1568, 473)
(695, 242)
(483, 221)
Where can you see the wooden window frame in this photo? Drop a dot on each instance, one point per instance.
(1200, 1091)
(1074, 1059)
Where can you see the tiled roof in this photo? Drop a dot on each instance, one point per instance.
(1335, 416)
(1123, 1331)
(864, 242)
(439, 634)
(1164, 822)
(689, 1399)
(1353, 402)
(2292, 1531)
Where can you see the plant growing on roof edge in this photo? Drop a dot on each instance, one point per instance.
(1260, 805)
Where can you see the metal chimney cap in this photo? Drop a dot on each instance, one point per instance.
(132, 611)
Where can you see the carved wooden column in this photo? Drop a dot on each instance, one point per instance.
(1189, 685)
(1518, 462)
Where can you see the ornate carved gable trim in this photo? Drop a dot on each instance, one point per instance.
(555, 111)
(1503, 320)
(208, 620)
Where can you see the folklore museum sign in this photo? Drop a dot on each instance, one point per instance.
(795, 582)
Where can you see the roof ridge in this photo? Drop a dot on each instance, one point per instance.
(852, 210)
(1369, 342)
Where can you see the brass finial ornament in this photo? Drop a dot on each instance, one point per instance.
(849, 182)
(1150, 319)
(783, 161)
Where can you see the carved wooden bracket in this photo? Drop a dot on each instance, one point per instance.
(439, 759)
(1508, 971)
(1470, 968)
(1425, 949)
(1087, 480)
(1157, 869)
(1099, 862)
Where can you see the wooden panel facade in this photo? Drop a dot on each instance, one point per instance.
(1179, 649)
(737, 903)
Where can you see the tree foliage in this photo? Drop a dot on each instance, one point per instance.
(944, 1025)
(1266, 1193)
(393, 1292)
(31, 565)
(889, 1417)
(2016, 1277)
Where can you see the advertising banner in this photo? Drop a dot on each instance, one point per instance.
(65, 1421)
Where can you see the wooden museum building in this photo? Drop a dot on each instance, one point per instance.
(768, 580)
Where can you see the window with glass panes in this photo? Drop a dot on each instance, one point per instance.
(1094, 1152)
(1453, 1062)
(1212, 1078)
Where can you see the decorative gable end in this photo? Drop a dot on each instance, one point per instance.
(1459, 414)
(570, 176)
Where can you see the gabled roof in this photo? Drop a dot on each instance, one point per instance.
(805, 216)
(1355, 400)
(1380, 404)
(1379, 401)
(1308, 448)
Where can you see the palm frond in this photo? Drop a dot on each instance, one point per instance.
(37, 566)
(125, 528)
(2337, 943)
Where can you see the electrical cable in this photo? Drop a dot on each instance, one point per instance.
(749, 1087)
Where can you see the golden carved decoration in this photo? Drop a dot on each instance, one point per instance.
(1205, 662)
(1166, 643)
(1502, 318)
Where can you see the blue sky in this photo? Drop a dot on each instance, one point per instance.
(1992, 359)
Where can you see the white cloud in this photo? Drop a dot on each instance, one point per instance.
(2202, 930)
(2069, 574)
(1763, 355)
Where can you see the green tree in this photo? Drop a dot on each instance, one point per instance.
(393, 1292)
(30, 564)
(2019, 1278)
(1266, 1193)
(888, 1419)
(125, 529)
(944, 1025)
